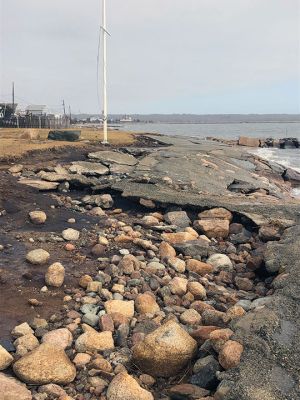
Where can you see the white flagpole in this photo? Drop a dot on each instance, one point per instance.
(104, 33)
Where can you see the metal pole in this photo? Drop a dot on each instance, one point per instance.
(13, 96)
(105, 140)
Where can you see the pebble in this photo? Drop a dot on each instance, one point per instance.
(145, 303)
(21, 330)
(199, 267)
(124, 252)
(178, 237)
(230, 355)
(85, 280)
(5, 358)
(26, 343)
(70, 234)
(177, 264)
(38, 217)
(166, 251)
(178, 286)
(55, 275)
(213, 228)
(197, 290)
(125, 387)
(220, 262)
(187, 391)
(15, 169)
(91, 340)
(61, 338)
(190, 317)
(81, 359)
(125, 308)
(38, 257)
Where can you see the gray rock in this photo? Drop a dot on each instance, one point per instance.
(292, 175)
(90, 319)
(67, 136)
(193, 248)
(88, 168)
(205, 371)
(39, 184)
(220, 262)
(178, 218)
(113, 157)
(100, 200)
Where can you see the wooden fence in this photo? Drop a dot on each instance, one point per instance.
(35, 121)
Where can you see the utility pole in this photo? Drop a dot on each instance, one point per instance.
(70, 114)
(64, 107)
(104, 36)
(13, 96)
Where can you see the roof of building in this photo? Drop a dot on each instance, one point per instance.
(34, 107)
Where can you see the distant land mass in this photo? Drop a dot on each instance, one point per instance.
(202, 119)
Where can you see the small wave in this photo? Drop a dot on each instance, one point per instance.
(288, 158)
(296, 193)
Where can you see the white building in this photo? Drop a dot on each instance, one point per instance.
(36, 109)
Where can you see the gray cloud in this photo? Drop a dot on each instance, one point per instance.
(201, 56)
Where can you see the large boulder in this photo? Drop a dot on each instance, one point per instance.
(45, 364)
(125, 387)
(12, 389)
(166, 351)
(248, 141)
(67, 136)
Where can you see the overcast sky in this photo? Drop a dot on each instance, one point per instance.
(165, 56)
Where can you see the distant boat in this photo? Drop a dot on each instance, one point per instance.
(126, 119)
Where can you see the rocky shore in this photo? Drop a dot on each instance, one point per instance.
(165, 272)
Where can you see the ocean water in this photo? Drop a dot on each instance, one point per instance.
(226, 131)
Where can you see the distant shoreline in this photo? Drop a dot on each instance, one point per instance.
(212, 123)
